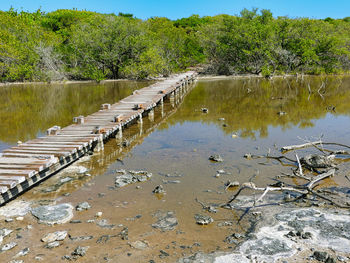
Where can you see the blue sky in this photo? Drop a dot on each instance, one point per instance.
(184, 8)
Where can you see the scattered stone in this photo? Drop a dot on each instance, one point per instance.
(171, 181)
(104, 224)
(56, 236)
(90, 221)
(8, 220)
(330, 260)
(166, 220)
(232, 239)
(39, 257)
(203, 219)
(98, 214)
(9, 246)
(15, 208)
(16, 261)
(216, 158)
(81, 238)
(141, 245)
(104, 238)
(320, 256)
(281, 113)
(20, 218)
(22, 253)
(248, 156)
(53, 244)
(80, 251)
(221, 119)
(53, 214)
(204, 110)
(3, 233)
(226, 223)
(75, 221)
(83, 206)
(131, 177)
(234, 135)
(317, 161)
(159, 190)
(230, 184)
(124, 234)
(163, 254)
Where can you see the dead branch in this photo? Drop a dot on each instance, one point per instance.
(303, 190)
(299, 165)
(300, 146)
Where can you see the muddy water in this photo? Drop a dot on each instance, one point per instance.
(244, 116)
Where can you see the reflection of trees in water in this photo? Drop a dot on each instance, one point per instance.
(252, 105)
(27, 110)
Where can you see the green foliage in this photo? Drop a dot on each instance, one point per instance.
(77, 44)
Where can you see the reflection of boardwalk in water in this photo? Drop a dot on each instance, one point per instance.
(28, 163)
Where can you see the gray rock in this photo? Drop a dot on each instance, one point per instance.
(124, 234)
(320, 256)
(171, 181)
(104, 238)
(53, 244)
(4, 232)
(158, 190)
(104, 224)
(56, 236)
(9, 246)
(22, 253)
(131, 177)
(141, 245)
(216, 158)
(8, 220)
(16, 261)
(166, 220)
(203, 219)
(80, 251)
(53, 214)
(317, 161)
(330, 260)
(80, 238)
(83, 206)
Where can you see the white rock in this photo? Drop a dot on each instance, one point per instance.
(19, 218)
(56, 236)
(98, 214)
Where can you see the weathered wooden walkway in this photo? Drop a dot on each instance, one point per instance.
(28, 163)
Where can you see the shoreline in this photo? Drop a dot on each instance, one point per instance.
(200, 77)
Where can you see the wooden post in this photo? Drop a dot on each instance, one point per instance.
(100, 145)
(106, 106)
(53, 130)
(151, 115)
(78, 120)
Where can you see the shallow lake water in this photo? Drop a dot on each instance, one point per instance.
(245, 115)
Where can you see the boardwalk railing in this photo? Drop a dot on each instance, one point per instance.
(28, 163)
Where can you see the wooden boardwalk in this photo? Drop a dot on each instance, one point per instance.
(30, 162)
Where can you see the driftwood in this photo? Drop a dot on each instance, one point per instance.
(300, 146)
(303, 190)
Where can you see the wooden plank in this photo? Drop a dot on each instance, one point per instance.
(9, 184)
(43, 148)
(36, 167)
(49, 142)
(3, 189)
(50, 145)
(29, 152)
(30, 173)
(9, 160)
(29, 155)
(18, 179)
